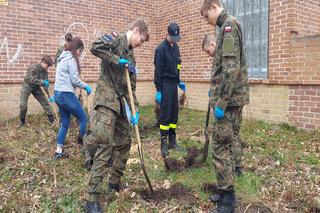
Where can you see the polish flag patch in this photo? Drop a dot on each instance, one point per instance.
(227, 29)
(114, 34)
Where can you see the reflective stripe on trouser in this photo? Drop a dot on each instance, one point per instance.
(169, 109)
(110, 132)
(222, 143)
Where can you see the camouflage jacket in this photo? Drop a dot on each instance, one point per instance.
(59, 51)
(229, 76)
(35, 76)
(112, 85)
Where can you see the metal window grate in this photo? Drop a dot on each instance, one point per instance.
(253, 16)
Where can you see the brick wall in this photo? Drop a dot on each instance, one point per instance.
(305, 59)
(39, 25)
(287, 21)
(294, 29)
(304, 110)
(195, 63)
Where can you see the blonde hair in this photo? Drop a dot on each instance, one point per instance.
(207, 39)
(207, 4)
(142, 26)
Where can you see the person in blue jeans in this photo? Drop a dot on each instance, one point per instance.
(66, 81)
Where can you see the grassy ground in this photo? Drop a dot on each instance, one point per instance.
(281, 163)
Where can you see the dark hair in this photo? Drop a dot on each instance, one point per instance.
(142, 26)
(207, 4)
(68, 39)
(47, 59)
(76, 43)
(207, 39)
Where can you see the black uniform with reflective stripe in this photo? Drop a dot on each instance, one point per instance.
(167, 64)
(167, 75)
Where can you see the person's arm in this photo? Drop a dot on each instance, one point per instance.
(102, 48)
(32, 76)
(74, 75)
(158, 63)
(230, 64)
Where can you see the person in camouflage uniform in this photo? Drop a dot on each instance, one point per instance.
(67, 39)
(109, 125)
(37, 76)
(208, 46)
(229, 93)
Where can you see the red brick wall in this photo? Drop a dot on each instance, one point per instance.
(38, 26)
(196, 65)
(305, 59)
(289, 19)
(304, 106)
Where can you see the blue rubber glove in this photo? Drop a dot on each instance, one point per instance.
(88, 89)
(182, 86)
(132, 68)
(158, 97)
(51, 99)
(135, 119)
(123, 61)
(218, 113)
(46, 83)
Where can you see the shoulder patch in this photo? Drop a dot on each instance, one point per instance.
(114, 34)
(227, 29)
(107, 37)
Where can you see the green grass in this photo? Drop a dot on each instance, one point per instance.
(275, 155)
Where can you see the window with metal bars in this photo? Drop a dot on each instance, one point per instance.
(253, 16)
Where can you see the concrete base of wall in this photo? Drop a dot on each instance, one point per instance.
(296, 105)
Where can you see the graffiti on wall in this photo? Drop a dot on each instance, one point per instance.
(4, 47)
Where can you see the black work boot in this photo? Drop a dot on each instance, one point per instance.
(22, 121)
(238, 171)
(226, 204)
(51, 118)
(110, 163)
(114, 187)
(164, 146)
(173, 143)
(216, 197)
(88, 164)
(93, 207)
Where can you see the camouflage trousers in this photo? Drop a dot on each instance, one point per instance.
(26, 91)
(238, 142)
(224, 139)
(110, 133)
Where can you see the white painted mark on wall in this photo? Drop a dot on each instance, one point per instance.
(5, 46)
(77, 26)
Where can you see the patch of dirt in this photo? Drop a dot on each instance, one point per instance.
(176, 191)
(210, 188)
(252, 208)
(172, 164)
(3, 155)
(188, 161)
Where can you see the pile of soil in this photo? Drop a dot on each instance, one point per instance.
(176, 191)
(188, 161)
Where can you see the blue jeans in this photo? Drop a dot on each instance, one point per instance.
(69, 105)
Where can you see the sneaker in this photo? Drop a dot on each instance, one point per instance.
(61, 155)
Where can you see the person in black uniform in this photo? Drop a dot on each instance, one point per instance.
(166, 79)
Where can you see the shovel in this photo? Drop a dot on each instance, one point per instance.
(136, 128)
(52, 104)
(206, 145)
